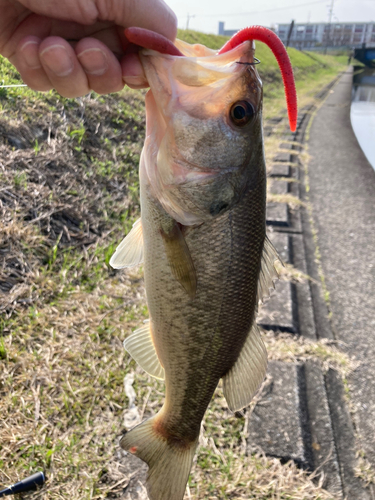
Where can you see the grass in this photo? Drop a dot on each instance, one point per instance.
(69, 193)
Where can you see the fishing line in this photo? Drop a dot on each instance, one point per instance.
(8, 86)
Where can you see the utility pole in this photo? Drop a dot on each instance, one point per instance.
(289, 33)
(328, 38)
(188, 19)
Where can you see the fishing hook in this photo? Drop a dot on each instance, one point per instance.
(256, 61)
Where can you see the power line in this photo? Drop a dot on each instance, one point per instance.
(260, 11)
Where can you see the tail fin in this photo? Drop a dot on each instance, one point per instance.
(169, 461)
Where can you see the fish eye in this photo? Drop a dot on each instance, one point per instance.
(241, 113)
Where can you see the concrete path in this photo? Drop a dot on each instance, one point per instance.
(342, 194)
(312, 416)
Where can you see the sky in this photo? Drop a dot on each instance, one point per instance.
(240, 13)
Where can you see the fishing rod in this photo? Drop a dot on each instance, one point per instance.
(31, 483)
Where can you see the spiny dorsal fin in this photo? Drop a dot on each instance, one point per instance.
(268, 273)
(141, 348)
(129, 253)
(179, 257)
(246, 375)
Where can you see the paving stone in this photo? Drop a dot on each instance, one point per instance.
(281, 242)
(280, 170)
(289, 136)
(275, 120)
(279, 187)
(277, 312)
(267, 130)
(282, 156)
(292, 146)
(277, 214)
(277, 424)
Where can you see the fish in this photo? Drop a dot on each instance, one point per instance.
(202, 240)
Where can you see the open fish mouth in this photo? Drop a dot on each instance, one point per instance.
(150, 40)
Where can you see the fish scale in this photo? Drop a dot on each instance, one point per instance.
(227, 255)
(202, 237)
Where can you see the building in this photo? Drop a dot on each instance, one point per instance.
(308, 35)
(225, 32)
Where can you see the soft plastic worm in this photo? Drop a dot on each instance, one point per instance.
(151, 40)
(276, 45)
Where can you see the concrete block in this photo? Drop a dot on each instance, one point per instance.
(280, 170)
(281, 241)
(282, 156)
(293, 146)
(277, 425)
(277, 214)
(279, 187)
(267, 131)
(277, 312)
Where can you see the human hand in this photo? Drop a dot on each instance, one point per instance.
(75, 46)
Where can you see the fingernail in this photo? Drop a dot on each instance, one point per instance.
(94, 61)
(57, 60)
(30, 53)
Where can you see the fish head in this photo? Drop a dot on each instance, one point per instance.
(204, 144)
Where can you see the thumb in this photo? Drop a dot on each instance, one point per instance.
(154, 15)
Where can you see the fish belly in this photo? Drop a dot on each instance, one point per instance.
(199, 339)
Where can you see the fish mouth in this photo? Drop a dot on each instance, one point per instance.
(155, 41)
(171, 77)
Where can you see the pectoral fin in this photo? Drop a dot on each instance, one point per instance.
(141, 348)
(246, 375)
(268, 273)
(129, 253)
(179, 257)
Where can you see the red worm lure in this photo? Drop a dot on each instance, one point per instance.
(276, 45)
(150, 40)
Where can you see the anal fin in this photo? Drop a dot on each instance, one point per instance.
(129, 253)
(246, 375)
(141, 348)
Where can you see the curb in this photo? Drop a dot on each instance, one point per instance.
(305, 416)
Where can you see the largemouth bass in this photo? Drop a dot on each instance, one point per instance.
(202, 238)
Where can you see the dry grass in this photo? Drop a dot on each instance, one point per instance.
(68, 194)
(292, 348)
(365, 471)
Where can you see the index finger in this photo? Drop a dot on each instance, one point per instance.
(154, 15)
